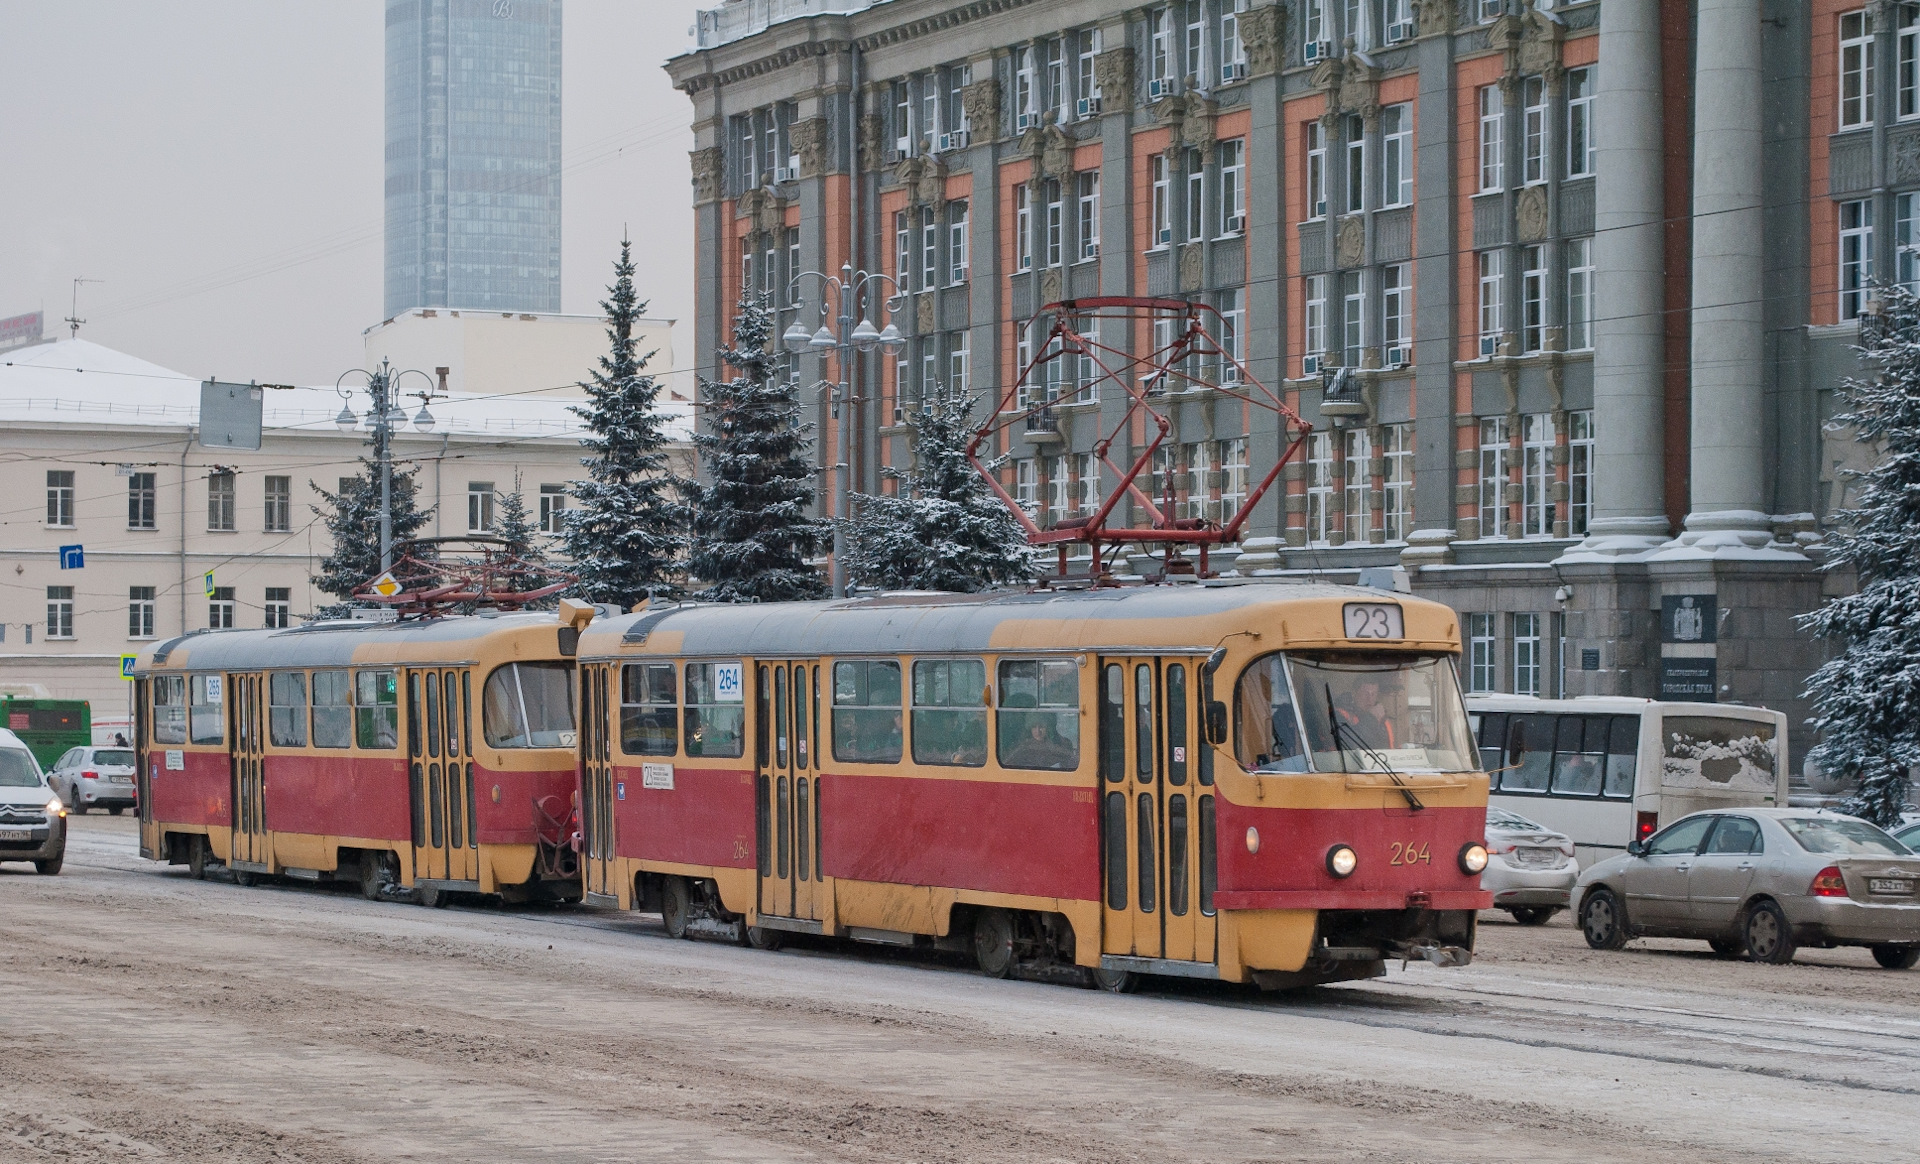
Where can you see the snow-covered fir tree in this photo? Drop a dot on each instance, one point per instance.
(944, 529)
(1867, 699)
(525, 542)
(751, 533)
(623, 534)
(352, 517)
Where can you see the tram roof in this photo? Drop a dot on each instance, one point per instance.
(931, 623)
(332, 643)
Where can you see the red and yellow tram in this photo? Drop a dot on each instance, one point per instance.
(1272, 782)
(434, 754)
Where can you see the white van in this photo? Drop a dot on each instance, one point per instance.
(1605, 770)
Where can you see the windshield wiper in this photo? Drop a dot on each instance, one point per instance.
(1342, 731)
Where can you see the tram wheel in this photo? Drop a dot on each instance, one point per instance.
(374, 876)
(1114, 981)
(433, 898)
(197, 858)
(761, 939)
(243, 878)
(676, 906)
(993, 942)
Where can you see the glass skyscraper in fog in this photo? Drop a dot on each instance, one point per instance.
(473, 155)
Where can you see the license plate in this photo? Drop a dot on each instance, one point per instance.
(16, 835)
(120, 779)
(1890, 886)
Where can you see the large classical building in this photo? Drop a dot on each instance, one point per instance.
(473, 155)
(1596, 266)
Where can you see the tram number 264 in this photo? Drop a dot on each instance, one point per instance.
(1410, 853)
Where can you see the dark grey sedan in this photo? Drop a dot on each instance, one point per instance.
(1760, 881)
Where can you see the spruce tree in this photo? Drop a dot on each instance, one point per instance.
(752, 537)
(526, 545)
(352, 517)
(1867, 699)
(624, 534)
(944, 529)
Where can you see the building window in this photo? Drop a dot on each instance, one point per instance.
(1233, 476)
(1320, 486)
(1316, 171)
(902, 250)
(1906, 241)
(1357, 23)
(1537, 438)
(60, 498)
(1396, 155)
(1313, 22)
(1580, 447)
(1026, 484)
(279, 607)
(1087, 371)
(1533, 299)
(1856, 256)
(1059, 490)
(929, 249)
(1492, 290)
(1909, 61)
(1353, 318)
(1056, 224)
(1356, 164)
(1233, 202)
(1233, 325)
(1396, 449)
(1533, 125)
(220, 609)
(1233, 51)
(1159, 52)
(1526, 654)
(1494, 441)
(1056, 78)
(140, 496)
(140, 612)
(1315, 302)
(1396, 315)
(1481, 658)
(59, 612)
(1492, 156)
(1359, 484)
(957, 358)
(1856, 69)
(1579, 294)
(1090, 495)
(1087, 198)
(220, 500)
(1089, 45)
(553, 509)
(479, 506)
(1162, 213)
(1581, 155)
(1026, 110)
(959, 246)
(1022, 227)
(1196, 196)
(279, 505)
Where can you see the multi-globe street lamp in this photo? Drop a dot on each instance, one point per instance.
(385, 416)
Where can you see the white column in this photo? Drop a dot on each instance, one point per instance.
(1629, 354)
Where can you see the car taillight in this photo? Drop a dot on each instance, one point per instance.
(1828, 883)
(90, 775)
(1646, 824)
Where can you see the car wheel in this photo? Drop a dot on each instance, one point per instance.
(1769, 935)
(993, 943)
(1603, 919)
(78, 807)
(1726, 947)
(1896, 957)
(117, 809)
(52, 868)
(676, 906)
(1532, 915)
(1114, 981)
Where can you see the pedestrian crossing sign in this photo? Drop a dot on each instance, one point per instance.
(208, 579)
(126, 665)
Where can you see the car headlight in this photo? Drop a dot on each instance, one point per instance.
(1342, 860)
(1473, 858)
(56, 807)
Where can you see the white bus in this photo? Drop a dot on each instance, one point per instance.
(1605, 770)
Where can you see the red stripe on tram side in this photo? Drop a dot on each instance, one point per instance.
(340, 796)
(1290, 870)
(706, 818)
(200, 793)
(1033, 839)
(503, 802)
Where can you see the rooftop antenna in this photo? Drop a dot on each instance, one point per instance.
(74, 321)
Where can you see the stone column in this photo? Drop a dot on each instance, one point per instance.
(1629, 354)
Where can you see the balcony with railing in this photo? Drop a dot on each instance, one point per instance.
(737, 19)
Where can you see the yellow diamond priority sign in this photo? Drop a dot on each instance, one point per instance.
(386, 585)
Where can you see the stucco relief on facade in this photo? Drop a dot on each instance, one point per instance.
(923, 314)
(1190, 117)
(1050, 150)
(1051, 290)
(1531, 214)
(706, 174)
(873, 139)
(809, 139)
(1904, 160)
(1113, 72)
(1436, 16)
(1192, 267)
(981, 100)
(1350, 242)
(1351, 85)
(1262, 31)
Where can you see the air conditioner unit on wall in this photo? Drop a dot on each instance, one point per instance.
(1233, 71)
(1316, 50)
(1492, 9)
(1396, 357)
(1025, 121)
(946, 142)
(1310, 365)
(1400, 33)
(1489, 345)
(1237, 224)
(1159, 87)
(1086, 107)
(785, 174)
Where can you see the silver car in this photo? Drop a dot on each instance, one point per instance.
(1530, 867)
(1763, 881)
(95, 778)
(1909, 835)
(33, 821)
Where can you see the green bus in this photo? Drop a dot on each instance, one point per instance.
(48, 726)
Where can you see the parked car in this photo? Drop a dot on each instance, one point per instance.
(1530, 867)
(1909, 835)
(95, 778)
(1765, 881)
(33, 821)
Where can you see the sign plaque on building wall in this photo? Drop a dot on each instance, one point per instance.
(1688, 618)
(1689, 680)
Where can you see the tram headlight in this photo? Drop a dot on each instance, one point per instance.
(1253, 839)
(1473, 858)
(1342, 860)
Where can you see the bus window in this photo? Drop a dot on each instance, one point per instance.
(332, 710)
(287, 709)
(1623, 747)
(649, 710)
(528, 705)
(1579, 755)
(1531, 738)
(1493, 741)
(1710, 751)
(1040, 715)
(1268, 732)
(376, 710)
(866, 712)
(716, 715)
(949, 712)
(206, 716)
(169, 709)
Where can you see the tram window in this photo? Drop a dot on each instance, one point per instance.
(802, 822)
(866, 711)
(1209, 856)
(1267, 732)
(1395, 712)
(1116, 846)
(949, 712)
(716, 710)
(1113, 723)
(453, 717)
(287, 709)
(649, 711)
(782, 745)
(763, 717)
(1493, 742)
(206, 713)
(1578, 770)
(169, 709)
(1176, 723)
(1148, 852)
(1177, 854)
(376, 710)
(433, 714)
(802, 712)
(413, 715)
(1623, 748)
(1040, 714)
(332, 710)
(528, 705)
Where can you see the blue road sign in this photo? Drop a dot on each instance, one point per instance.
(72, 557)
(126, 665)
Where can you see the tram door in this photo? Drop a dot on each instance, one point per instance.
(245, 730)
(596, 792)
(440, 776)
(787, 812)
(1153, 800)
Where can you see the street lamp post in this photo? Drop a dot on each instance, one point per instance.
(385, 415)
(856, 294)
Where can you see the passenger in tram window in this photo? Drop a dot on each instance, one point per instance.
(1041, 747)
(1368, 715)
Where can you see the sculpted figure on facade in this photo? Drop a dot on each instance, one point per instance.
(1262, 31)
(706, 175)
(1113, 72)
(810, 141)
(1531, 213)
(981, 100)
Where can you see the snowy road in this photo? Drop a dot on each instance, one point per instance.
(151, 1017)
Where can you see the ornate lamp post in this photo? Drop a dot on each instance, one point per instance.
(385, 415)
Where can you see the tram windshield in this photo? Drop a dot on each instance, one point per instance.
(529, 705)
(1352, 711)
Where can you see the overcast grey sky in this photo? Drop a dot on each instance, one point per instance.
(218, 164)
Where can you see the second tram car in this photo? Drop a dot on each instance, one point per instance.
(1272, 782)
(434, 754)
